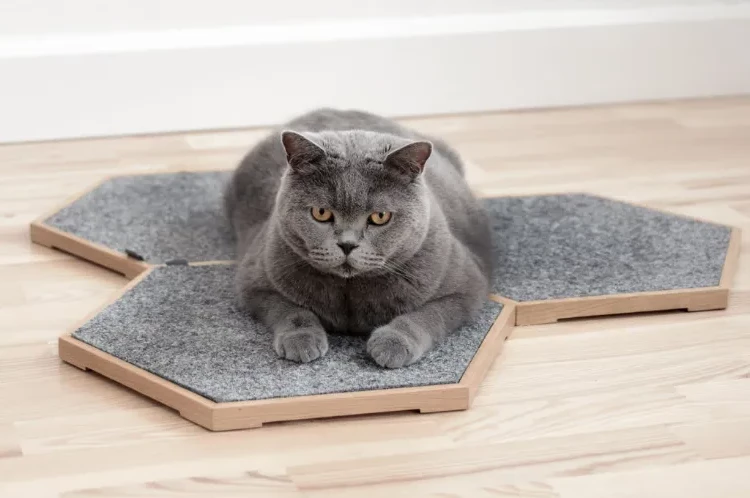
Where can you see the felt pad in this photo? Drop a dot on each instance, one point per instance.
(578, 245)
(159, 217)
(181, 323)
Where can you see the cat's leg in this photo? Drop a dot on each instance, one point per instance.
(408, 337)
(297, 332)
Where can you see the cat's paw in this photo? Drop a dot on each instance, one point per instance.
(301, 345)
(392, 348)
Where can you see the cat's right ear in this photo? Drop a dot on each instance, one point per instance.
(301, 152)
(409, 160)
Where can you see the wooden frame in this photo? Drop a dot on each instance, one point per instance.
(699, 299)
(249, 414)
(434, 398)
(57, 239)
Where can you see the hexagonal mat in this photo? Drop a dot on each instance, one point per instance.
(573, 255)
(177, 328)
(155, 218)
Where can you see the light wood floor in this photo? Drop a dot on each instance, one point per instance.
(655, 405)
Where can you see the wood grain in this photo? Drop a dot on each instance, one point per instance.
(635, 406)
(9, 442)
(503, 461)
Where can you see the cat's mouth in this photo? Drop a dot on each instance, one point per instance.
(347, 270)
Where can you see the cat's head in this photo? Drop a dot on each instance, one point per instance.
(353, 202)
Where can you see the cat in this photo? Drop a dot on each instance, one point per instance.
(348, 222)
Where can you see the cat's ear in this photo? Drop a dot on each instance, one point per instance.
(409, 160)
(301, 152)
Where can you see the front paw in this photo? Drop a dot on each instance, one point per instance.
(392, 348)
(302, 345)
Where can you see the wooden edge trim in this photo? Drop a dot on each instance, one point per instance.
(700, 299)
(250, 414)
(190, 405)
(425, 399)
(51, 237)
(503, 300)
(731, 260)
(489, 350)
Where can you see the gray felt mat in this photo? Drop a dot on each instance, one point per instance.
(159, 217)
(546, 247)
(181, 324)
(576, 245)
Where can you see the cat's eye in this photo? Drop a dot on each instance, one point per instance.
(321, 214)
(380, 218)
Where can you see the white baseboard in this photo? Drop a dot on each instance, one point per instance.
(96, 84)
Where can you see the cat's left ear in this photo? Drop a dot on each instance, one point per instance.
(410, 159)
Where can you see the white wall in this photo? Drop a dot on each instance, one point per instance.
(45, 17)
(78, 68)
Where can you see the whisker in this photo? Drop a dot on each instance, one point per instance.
(285, 271)
(401, 271)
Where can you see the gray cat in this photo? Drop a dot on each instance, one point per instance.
(354, 224)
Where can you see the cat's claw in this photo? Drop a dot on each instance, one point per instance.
(301, 345)
(391, 348)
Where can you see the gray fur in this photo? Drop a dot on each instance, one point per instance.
(407, 283)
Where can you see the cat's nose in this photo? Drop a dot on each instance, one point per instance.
(347, 247)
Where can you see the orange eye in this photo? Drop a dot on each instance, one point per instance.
(321, 214)
(380, 218)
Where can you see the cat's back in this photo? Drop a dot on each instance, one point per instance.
(329, 119)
